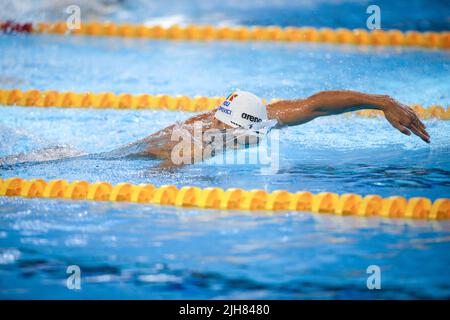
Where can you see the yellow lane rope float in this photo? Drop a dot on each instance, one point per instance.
(231, 199)
(255, 33)
(37, 98)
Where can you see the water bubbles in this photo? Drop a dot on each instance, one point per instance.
(9, 256)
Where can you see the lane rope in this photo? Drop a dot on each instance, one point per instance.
(217, 198)
(51, 98)
(380, 37)
(231, 199)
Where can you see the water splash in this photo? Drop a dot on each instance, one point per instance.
(49, 153)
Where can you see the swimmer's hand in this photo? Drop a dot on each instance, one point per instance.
(404, 119)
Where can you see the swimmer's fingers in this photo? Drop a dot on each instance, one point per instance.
(415, 118)
(413, 123)
(420, 132)
(405, 120)
(419, 123)
(396, 124)
(401, 128)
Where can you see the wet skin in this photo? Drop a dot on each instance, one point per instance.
(296, 112)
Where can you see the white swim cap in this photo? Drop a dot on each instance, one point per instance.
(241, 109)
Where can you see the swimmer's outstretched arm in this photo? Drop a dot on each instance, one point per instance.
(325, 103)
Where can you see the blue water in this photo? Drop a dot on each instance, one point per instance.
(404, 15)
(143, 251)
(135, 251)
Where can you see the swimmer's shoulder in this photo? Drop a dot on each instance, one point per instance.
(205, 117)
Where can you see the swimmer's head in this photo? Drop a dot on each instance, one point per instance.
(241, 109)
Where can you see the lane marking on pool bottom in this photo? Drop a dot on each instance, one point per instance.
(109, 100)
(231, 199)
(430, 39)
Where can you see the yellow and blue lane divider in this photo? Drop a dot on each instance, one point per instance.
(429, 39)
(231, 199)
(52, 98)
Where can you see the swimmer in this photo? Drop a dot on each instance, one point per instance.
(246, 112)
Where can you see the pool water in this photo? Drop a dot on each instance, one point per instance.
(148, 252)
(145, 251)
(422, 15)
